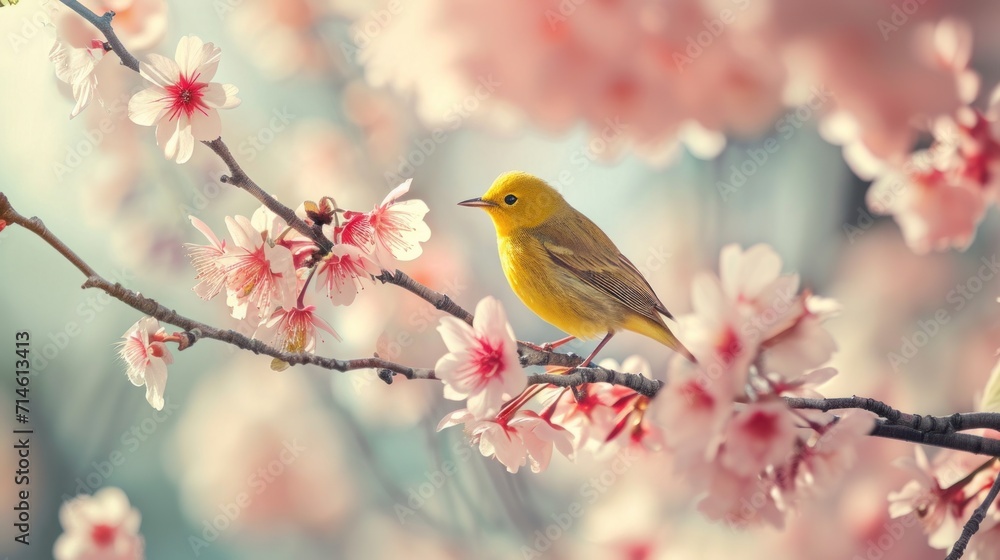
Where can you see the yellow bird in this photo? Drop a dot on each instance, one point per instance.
(566, 270)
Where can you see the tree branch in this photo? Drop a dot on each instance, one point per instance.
(972, 525)
(929, 424)
(969, 443)
(635, 381)
(440, 301)
(239, 178)
(193, 328)
(103, 24)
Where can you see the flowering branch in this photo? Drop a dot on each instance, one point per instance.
(897, 425)
(236, 176)
(239, 178)
(195, 330)
(972, 525)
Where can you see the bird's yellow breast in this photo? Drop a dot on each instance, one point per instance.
(553, 293)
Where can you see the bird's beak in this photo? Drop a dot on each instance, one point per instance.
(477, 203)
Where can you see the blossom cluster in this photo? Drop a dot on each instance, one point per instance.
(656, 74)
(940, 194)
(265, 268)
(757, 338)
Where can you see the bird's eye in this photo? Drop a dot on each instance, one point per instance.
(510, 199)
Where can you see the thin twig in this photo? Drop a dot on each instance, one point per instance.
(972, 525)
(239, 178)
(103, 24)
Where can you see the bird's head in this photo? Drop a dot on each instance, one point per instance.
(518, 200)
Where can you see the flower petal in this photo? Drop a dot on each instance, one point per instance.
(148, 106)
(160, 70)
(195, 57)
(220, 96)
(206, 126)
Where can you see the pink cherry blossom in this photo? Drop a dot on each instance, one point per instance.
(805, 344)
(146, 357)
(99, 527)
(257, 273)
(587, 415)
(398, 227)
(343, 271)
(595, 412)
(753, 314)
(824, 461)
(208, 261)
(740, 501)
(933, 210)
(183, 100)
(942, 493)
(753, 282)
(482, 364)
(758, 435)
(803, 385)
(524, 438)
(692, 409)
(356, 231)
(717, 334)
(294, 330)
(76, 67)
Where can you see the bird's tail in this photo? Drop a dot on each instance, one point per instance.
(660, 332)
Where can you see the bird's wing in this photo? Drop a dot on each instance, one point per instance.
(597, 262)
